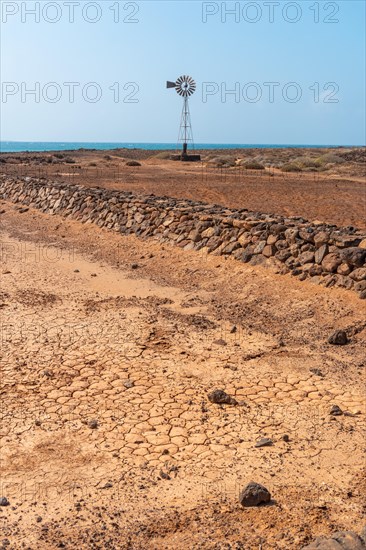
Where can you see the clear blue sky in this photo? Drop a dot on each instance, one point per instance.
(170, 39)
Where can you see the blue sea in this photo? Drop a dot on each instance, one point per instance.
(37, 146)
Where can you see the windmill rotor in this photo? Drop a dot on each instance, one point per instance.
(185, 86)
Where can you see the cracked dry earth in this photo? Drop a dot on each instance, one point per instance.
(109, 348)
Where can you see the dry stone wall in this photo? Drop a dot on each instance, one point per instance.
(322, 253)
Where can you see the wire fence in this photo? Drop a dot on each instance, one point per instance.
(71, 174)
(207, 173)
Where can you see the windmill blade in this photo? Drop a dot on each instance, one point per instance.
(170, 84)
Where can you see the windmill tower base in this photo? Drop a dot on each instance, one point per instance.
(190, 158)
(186, 158)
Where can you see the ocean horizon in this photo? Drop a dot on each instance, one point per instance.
(43, 146)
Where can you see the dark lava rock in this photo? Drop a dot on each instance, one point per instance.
(220, 342)
(254, 494)
(317, 372)
(135, 266)
(264, 442)
(4, 501)
(221, 398)
(335, 411)
(93, 424)
(354, 256)
(338, 338)
(345, 540)
(286, 438)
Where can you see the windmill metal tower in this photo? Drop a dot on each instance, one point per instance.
(185, 86)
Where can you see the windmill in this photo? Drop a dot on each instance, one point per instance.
(185, 86)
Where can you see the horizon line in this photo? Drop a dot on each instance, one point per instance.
(196, 144)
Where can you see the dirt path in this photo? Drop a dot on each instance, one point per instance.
(109, 348)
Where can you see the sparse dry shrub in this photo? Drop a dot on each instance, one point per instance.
(164, 155)
(253, 165)
(330, 158)
(291, 167)
(222, 161)
(307, 162)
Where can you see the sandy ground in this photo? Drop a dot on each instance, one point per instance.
(108, 439)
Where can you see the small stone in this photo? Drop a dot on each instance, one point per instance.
(221, 398)
(93, 424)
(335, 411)
(286, 438)
(135, 266)
(354, 256)
(128, 384)
(346, 540)
(321, 238)
(359, 287)
(76, 271)
(306, 258)
(317, 372)
(254, 494)
(93, 275)
(331, 262)
(269, 250)
(220, 342)
(344, 269)
(338, 338)
(359, 274)
(264, 442)
(4, 501)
